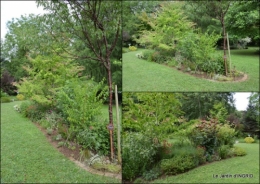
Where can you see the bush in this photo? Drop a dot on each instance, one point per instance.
(147, 55)
(32, 110)
(20, 97)
(79, 104)
(249, 140)
(205, 134)
(152, 174)
(178, 164)
(198, 48)
(224, 151)
(5, 100)
(201, 155)
(238, 151)
(226, 135)
(138, 152)
(132, 48)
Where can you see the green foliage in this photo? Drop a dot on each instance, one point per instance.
(96, 138)
(138, 151)
(239, 151)
(219, 112)
(78, 102)
(46, 74)
(150, 112)
(166, 27)
(147, 55)
(205, 134)
(152, 174)
(20, 97)
(5, 99)
(132, 48)
(226, 135)
(249, 140)
(224, 151)
(178, 164)
(32, 110)
(198, 48)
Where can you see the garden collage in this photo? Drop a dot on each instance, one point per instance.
(130, 91)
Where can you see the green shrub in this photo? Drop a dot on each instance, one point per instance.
(226, 135)
(132, 48)
(78, 103)
(152, 174)
(201, 155)
(223, 151)
(138, 152)
(124, 50)
(239, 151)
(3, 94)
(204, 134)
(249, 140)
(198, 48)
(20, 97)
(178, 164)
(5, 100)
(147, 55)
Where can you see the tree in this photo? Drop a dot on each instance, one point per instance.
(217, 10)
(95, 24)
(243, 19)
(251, 116)
(151, 112)
(198, 105)
(167, 26)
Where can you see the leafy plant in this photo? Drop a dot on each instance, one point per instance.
(132, 48)
(223, 151)
(5, 100)
(226, 135)
(20, 97)
(249, 140)
(152, 174)
(238, 151)
(138, 151)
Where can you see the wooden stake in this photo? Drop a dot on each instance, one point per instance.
(118, 128)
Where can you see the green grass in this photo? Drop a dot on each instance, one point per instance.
(141, 75)
(248, 164)
(27, 156)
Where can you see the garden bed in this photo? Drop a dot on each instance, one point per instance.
(238, 77)
(72, 152)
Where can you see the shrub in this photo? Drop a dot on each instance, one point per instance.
(198, 48)
(223, 151)
(152, 174)
(201, 154)
(5, 100)
(138, 152)
(204, 134)
(226, 135)
(249, 140)
(3, 94)
(178, 164)
(238, 151)
(79, 104)
(147, 55)
(132, 48)
(20, 97)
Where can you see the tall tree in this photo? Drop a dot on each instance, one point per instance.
(243, 19)
(96, 24)
(198, 105)
(216, 10)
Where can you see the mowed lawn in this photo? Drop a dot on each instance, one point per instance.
(248, 164)
(27, 156)
(141, 75)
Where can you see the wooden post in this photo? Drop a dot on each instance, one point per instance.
(229, 54)
(118, 128)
